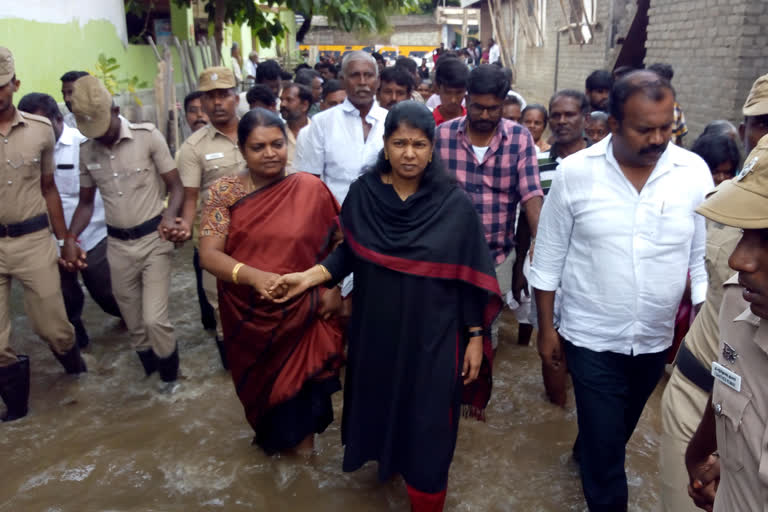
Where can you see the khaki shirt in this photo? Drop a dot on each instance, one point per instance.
(704, 335)
(206, 156)
(26, 153)
(742, 416)
(128, 173)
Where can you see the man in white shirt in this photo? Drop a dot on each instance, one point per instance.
(494, 53)
(618, 233)
(345, 139)
(93, 240)
(250, 66)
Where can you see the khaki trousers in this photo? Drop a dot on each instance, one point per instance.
(32, 259)
(141, 281)
(682, 407)
(212, 295)
(504, 277)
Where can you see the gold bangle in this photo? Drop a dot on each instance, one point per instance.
(326, 274)
(235, 271)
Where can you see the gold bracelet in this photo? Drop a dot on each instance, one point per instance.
(326, 274)
(235, 271)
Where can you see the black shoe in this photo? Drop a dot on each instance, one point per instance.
(81, 335)
(222, 352)
(72, 361)
(148, 361)
(14, 389)
(169, 367)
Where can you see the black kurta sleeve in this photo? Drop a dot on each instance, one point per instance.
(339, 264)
(474, 301)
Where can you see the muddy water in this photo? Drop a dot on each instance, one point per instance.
(110, 441)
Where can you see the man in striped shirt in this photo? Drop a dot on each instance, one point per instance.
(568, 110)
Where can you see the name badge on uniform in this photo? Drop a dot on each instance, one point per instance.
(726, 376)
(93, 167)
(214, 156)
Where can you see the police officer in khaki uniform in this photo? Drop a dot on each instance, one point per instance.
(735, 422)
(207, 155)
(27, 250)
(132, 168)
(690, 385)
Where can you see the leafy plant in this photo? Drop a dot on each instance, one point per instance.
(105, 70)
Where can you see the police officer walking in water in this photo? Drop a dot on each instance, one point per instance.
(132, 168)
(727, 455)
(28, 200)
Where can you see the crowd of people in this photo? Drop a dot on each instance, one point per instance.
(361, 217)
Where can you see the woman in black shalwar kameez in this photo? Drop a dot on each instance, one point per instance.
(425, 295)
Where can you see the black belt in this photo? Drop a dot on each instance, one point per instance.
(693, 369)
(135, 232)
(24, 227)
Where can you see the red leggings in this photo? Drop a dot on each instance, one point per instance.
(426, 502)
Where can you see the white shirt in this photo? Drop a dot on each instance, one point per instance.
(493, 53)
(333, 146)
(66, 157)
(621, 257)
(250, 68)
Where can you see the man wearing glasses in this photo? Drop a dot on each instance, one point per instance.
(494, 161)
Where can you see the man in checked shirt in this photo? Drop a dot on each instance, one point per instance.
(494, 160)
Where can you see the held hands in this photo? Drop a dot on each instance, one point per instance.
(174, 229)
(72, 256)
(291, 285)
(704, 480)
(259, 280)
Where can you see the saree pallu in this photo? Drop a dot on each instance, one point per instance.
(275, 350)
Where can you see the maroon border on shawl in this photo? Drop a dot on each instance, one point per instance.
(426, 268)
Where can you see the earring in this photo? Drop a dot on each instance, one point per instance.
(386, 156)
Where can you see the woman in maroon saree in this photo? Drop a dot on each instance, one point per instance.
(284, 358)
(424, 296)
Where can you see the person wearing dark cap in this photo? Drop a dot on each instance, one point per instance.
(27, 250)
(597, 88)
(685, 396)
(207, 155)
(727, 455)
(132, 168)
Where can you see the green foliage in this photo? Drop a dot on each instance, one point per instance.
(105, 70)
(349, 15)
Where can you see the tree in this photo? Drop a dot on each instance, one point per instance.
(348, 15)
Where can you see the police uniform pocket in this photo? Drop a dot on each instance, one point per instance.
(138, 175)
(27, 166)
(729, 406)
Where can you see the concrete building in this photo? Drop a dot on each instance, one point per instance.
(716, 47)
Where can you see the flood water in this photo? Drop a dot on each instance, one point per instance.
(110, 441)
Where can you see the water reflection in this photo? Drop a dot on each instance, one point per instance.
(111, 441)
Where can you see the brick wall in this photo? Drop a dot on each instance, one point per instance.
(535, 67)
(717, 49)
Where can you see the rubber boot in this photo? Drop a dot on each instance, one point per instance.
(14, 389)
(222, 352)
(426, 502)
(148, 361)
(169, 367)
(72, 361)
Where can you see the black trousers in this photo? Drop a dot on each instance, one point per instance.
(99, 284)
(611, 391)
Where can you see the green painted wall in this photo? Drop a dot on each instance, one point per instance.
(44, 51)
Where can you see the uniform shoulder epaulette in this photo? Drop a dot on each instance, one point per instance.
(196, 137)
(141, 126)
(33, 117)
